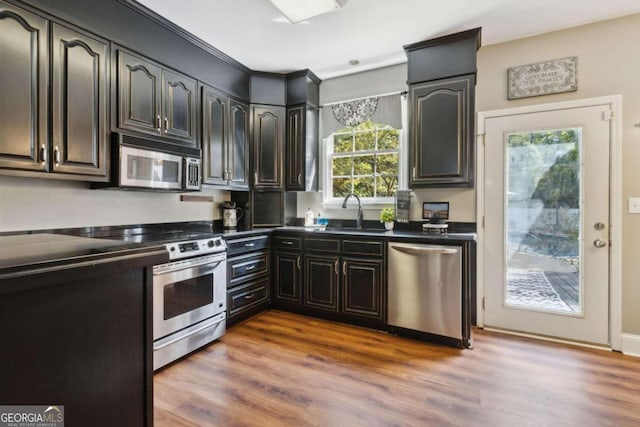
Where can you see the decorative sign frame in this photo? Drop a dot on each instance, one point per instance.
(543, 78)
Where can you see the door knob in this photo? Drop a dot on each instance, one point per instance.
(599, 243)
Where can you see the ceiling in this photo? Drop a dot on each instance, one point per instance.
(372, 31)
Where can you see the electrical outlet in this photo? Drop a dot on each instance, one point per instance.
(634, 204)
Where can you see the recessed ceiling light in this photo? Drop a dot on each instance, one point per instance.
(299, 10)
(354, 62)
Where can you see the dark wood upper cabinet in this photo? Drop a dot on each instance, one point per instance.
(179, 112)
(79, 88)
(238, 151)
(215, 134)
(302, 136)
(34, 53)
(442, 132)
(225, 140)
(156, 101)
(301, 165)
(295, 149)
(268, 124)
(139, 83)
(24, 71)
(442, 77)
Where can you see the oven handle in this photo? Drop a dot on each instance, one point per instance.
(200, 329)
(157, 271)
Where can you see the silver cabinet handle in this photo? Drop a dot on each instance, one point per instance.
(43, 154)
(599, 243)
(344, 268)
(166, 124)
(299, 178)
(158, 126)
(287, 242)
(249, 245)
(414, 250)
(335, 266)
(414, 172)
(298, 263)
(251, 267)
(255, 178)
(56, 155)
(250, 296)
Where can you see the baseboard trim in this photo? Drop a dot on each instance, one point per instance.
(631, 345)
(547, 338)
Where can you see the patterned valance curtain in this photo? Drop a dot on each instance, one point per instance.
(380, 109)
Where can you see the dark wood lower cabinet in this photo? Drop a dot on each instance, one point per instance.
(81, 336)
(287, 278)
(245, 297)
(321, 279)
(363, 287)
(248, 277)
(331, 283)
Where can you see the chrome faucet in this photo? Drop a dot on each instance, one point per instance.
(359, 215)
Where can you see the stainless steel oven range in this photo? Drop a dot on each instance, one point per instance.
(189, 298)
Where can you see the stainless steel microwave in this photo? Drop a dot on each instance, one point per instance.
(147, 165)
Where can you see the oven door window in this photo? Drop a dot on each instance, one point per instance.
(187, 295)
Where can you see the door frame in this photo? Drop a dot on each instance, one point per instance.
(615, 203)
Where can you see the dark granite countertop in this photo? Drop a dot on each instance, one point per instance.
(390, 235)
(20, 253)
(25, 250)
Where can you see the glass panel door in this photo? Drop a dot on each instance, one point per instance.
(542, 212)
(546, 222)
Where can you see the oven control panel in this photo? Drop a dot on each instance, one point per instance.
(196, 247)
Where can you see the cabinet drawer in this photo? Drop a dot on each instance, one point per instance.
(322, 245)
(243, 267)
(363, 247)
(287, 243)
(247, 296)
(248, 244)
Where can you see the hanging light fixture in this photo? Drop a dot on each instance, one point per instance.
(301, 10)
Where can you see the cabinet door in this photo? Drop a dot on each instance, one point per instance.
(24, 70)
(321, 277)
(179, 107)
(239, 145)
(287, 277)
(214, 137)
(268, 136)
(79, 111)
(442, 127)
(294, 166)
(139, 90)
(362, 287)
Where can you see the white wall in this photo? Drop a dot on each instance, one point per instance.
(608, 64)
(34, 204)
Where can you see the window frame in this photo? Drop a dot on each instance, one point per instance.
(329, 202)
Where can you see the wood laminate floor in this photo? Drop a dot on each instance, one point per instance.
(281, 369)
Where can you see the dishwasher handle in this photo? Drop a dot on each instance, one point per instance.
(418, 250)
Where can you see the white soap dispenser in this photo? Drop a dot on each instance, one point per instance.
(308, 218)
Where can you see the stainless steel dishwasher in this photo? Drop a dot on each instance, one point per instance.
(425, 288)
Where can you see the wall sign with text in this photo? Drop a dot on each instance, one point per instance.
(543, 78)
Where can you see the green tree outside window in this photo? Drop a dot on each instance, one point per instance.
(364, 160)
